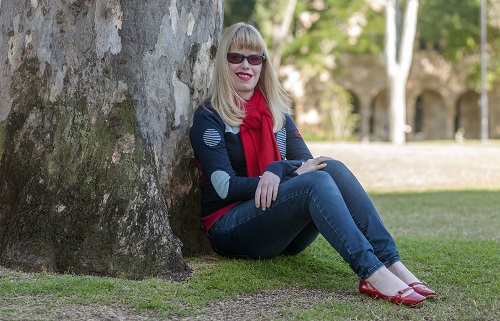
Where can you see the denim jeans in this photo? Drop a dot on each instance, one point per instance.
(330, 201)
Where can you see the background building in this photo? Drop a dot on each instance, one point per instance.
(440, 99)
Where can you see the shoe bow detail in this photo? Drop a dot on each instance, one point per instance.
(422, 289)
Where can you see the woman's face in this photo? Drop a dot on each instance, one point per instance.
(244, 75)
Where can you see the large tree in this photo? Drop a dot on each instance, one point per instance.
(96, 175)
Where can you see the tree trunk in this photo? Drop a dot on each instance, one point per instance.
(281, 31)
(398, 68)
(96, 176)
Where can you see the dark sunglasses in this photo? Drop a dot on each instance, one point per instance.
(236, 58)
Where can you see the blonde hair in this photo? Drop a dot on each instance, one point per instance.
(245, 36)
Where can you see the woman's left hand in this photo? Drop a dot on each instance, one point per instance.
(313, 164)
(267, 190)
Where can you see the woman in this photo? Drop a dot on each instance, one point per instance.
(262, 192)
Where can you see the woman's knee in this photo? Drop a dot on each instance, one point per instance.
(318, 182)
(334, 167)
(318, 177)
(334, 163)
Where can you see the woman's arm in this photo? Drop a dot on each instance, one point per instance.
(207, 140)
(296, 148)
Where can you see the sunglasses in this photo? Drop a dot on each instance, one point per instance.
(236, 58)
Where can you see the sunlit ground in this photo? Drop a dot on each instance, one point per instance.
(420, 166)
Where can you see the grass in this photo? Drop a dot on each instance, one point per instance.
(448, 238)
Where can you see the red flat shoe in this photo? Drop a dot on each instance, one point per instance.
(411, 300)
(421, 288)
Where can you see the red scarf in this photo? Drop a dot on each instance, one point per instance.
(257, 136)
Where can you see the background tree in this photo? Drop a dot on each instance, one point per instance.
(453, 30)
(96, 175)
(272, 17)
(278, 24)
(398, 57)
(322, 32)
(338, 120)
(238, 11)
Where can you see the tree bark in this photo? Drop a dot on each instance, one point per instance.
(398, 68)
(97, 175)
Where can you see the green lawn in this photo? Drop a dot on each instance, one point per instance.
(450, 239)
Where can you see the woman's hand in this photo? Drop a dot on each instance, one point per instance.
(267, 190)
(312, 165)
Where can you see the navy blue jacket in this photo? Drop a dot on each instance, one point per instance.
(221, 162)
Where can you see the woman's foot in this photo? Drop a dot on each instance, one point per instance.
(406, 276)
(385, 285)
(422, 289)
(386, 282)
(407, 297)
(402, 272)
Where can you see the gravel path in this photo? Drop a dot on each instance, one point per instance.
(418, 166)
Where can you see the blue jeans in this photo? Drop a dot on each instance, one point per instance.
(329, 201)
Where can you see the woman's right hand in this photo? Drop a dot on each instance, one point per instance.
(267, 190)
(312, 165)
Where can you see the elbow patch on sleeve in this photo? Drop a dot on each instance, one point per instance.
(211, 137)
(220, 181)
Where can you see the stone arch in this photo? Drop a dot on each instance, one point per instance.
(355, 101)
(467, 114)
(429, 116)
(356, 107)
(379, 117)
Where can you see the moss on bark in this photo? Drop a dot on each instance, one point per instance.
(3, 124)
(86, 199)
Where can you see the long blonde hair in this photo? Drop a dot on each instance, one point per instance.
(245, 36)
